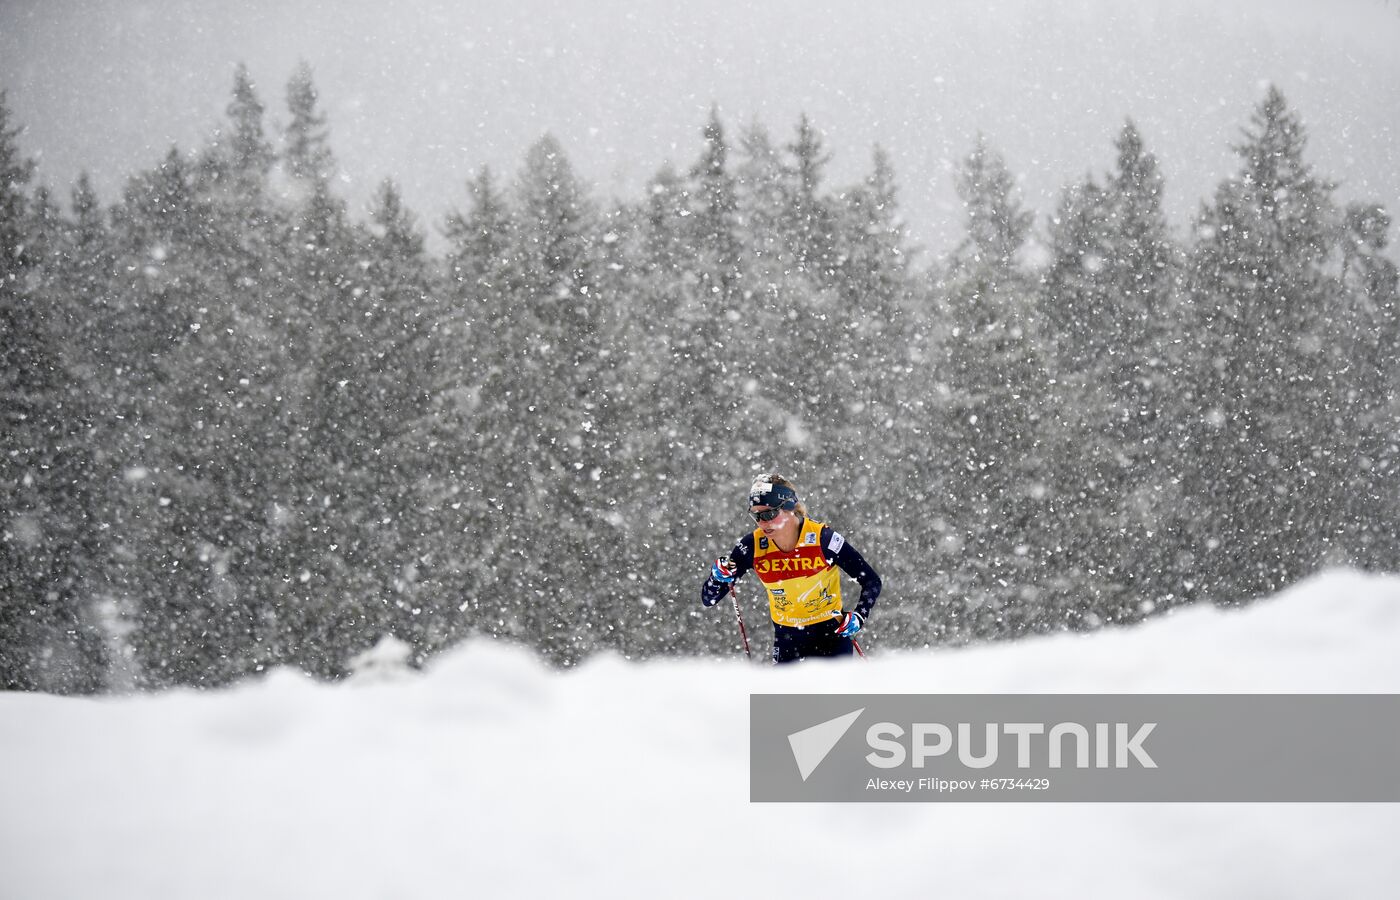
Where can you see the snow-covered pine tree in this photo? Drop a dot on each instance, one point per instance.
(991, 448)
(873, 251)
(482, 356)
(319, 236)
(558, 447)
(681, 268)
(48, 639)
(478, 249)
(1368, 326)
(157, 291)
(872, 285)
(306, 151)
(220, 459)
(792, 321)
(83, 273)
(714, 198)
(1111, 301)
(1272, 447)
(397, 470)
(808, 216)
(241, 155)
(879, 430)
(760, 179)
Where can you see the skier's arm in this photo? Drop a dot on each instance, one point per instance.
(854, 565)
(713, 590)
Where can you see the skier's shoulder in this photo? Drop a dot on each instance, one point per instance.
(832, 541)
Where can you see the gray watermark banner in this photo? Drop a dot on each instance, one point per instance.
(1074, 747)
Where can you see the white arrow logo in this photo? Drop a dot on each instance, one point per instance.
(811, 745)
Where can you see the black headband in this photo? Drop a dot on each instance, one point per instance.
(772, 496)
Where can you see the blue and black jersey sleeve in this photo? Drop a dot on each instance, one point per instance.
(711, 592)
(853, 564)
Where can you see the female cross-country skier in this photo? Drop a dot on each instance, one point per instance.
(797, 559)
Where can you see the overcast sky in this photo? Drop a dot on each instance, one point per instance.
(427, 92)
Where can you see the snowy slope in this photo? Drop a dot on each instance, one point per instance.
(491, 775)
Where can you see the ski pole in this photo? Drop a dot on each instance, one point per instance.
(743, 632)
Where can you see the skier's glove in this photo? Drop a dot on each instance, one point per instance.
(723, 570)
(850, 623)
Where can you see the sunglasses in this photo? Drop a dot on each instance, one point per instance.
(766, 515)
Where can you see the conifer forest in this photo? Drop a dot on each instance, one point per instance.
(244, 424)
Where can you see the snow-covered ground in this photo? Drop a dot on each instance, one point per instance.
(490, 775)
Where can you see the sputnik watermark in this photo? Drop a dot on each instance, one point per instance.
(1112, 745)
(1102, 744)
(1075, 747)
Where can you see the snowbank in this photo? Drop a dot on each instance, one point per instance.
(490, 774)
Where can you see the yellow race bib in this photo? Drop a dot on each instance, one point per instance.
(803, 587)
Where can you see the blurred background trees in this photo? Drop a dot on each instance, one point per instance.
(245, 427)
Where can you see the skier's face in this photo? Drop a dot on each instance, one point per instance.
(771, 520)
